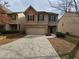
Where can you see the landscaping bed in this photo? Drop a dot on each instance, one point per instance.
(7, 38)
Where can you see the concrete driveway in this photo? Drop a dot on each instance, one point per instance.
(29, 47)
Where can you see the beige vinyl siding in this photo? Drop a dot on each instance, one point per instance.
(21, 21)
(69, 23)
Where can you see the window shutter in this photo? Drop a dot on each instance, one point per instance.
(49, 18)
(38, 17)
(33, 17)
(54, 18)
(28, 17)
(43, 17)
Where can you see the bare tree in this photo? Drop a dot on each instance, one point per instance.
(5, 3)
(75, 5)
(65, 5)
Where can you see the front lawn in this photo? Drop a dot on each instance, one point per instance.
(64, 45)
(61, 45)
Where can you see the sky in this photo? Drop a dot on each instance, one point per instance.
(16, 5)
(20, 5)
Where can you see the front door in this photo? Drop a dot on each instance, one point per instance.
(52, 29)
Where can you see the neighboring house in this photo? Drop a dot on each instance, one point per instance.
(6, 22)
(69, 23)
(40, 22)
(19, 19)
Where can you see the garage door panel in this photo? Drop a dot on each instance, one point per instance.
(35, 31)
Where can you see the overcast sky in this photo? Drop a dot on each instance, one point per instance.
(19, 5)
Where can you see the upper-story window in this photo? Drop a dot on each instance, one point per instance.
(41, 17)
(13, 16)
(30, 17)
(52, 18)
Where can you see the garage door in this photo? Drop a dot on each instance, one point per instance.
(35, 31)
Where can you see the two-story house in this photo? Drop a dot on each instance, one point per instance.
(7, 23)
(19, 19)
(40, 22)
(38, 18)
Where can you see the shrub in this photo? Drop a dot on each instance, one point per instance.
(67, 33)
(48, 34)
(60, 34)
(8, 32)
(22, 32)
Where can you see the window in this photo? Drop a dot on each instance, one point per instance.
(13, 16)
(55, 18)
(52, 18)
(30, 17)
(40, 17)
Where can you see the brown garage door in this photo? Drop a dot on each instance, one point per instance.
(35, 31)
